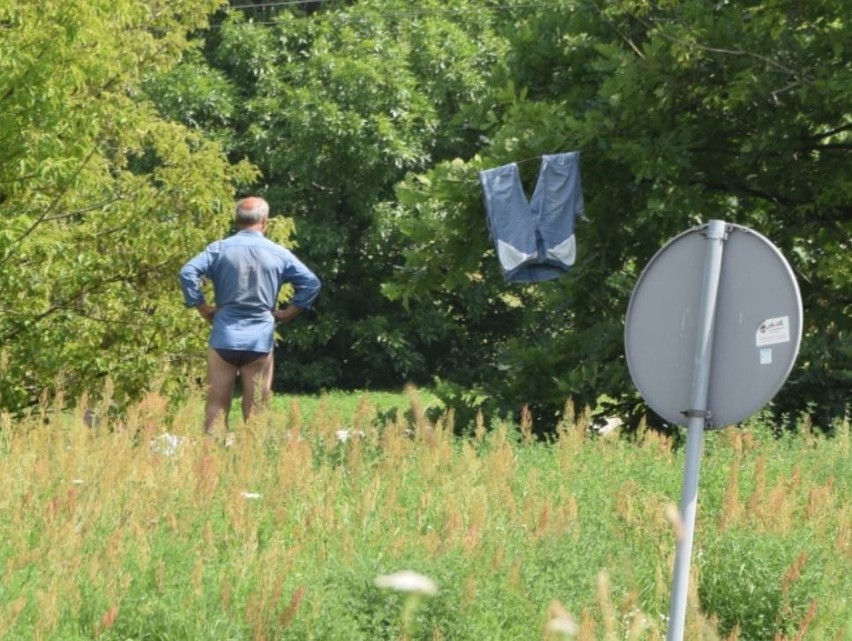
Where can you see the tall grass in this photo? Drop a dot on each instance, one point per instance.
(145, 530)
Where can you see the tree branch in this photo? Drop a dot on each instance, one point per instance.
(84, 210)
(724, 50)
(618, 31)
(750, 191)
(86, 289)
(44, 215)
(832, 132)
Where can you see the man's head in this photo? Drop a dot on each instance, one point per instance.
(251, 212)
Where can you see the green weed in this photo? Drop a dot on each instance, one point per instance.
(143, 529)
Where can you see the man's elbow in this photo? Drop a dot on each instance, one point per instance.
(312, 288)
(308, 294)
(185, 275)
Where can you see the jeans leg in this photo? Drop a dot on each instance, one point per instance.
(510, 222)
(557, 200)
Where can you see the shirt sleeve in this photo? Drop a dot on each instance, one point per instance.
(305, 283)
(191, 275)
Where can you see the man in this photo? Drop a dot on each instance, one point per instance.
(247, 271)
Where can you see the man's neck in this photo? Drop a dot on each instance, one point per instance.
(256, 227)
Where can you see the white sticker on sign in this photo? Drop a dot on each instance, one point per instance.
(766, 356)
(773, 331)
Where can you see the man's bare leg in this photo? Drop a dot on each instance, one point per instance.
(257, 383)
(221, 377)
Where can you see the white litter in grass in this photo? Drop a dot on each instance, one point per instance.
(344, 435)
(407, 581)
(251, 496)
(611, 424)
(167, 444)
(78, 482)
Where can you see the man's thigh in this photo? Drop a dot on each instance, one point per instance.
(257, 378)
(221, 377)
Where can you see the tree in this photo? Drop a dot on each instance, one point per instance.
(335, 109)
(683, 112)
(101, 199)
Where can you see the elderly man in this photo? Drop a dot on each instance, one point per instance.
(247, 271)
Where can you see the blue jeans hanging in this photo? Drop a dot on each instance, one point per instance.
(534, 239)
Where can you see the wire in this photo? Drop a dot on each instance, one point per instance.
(414, 12)
(278, 3)
(290, 3)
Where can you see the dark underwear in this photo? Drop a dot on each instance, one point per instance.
(239, 357)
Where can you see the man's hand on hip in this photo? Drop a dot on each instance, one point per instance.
(207, 311)
(287, 314)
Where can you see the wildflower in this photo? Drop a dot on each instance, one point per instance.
(407, 581)
(561, 624)
(415, 586)
(563, 627)
(674, 518)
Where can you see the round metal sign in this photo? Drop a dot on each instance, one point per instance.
(757, 326)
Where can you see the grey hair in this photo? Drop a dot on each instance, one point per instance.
(251, 210)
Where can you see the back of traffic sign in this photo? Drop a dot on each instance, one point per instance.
(757, 326)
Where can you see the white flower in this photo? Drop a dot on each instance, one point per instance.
(408, 581)
(561, 623)
(564, 626)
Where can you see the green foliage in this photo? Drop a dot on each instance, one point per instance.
(334, 110)
(369, 122)
(683, 112)
(749, 583)
(100, 199)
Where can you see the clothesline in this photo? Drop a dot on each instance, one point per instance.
(530, 159)
(475, 178)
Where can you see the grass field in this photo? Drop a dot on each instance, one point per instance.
(143, 530)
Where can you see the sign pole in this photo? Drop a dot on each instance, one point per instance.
(698, 415)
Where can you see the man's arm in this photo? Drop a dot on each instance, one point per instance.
(191, 276)
(206, 311)
(306, 285)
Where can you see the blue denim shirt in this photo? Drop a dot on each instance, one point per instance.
(247, 270)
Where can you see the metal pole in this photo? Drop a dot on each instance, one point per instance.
(697, 413)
